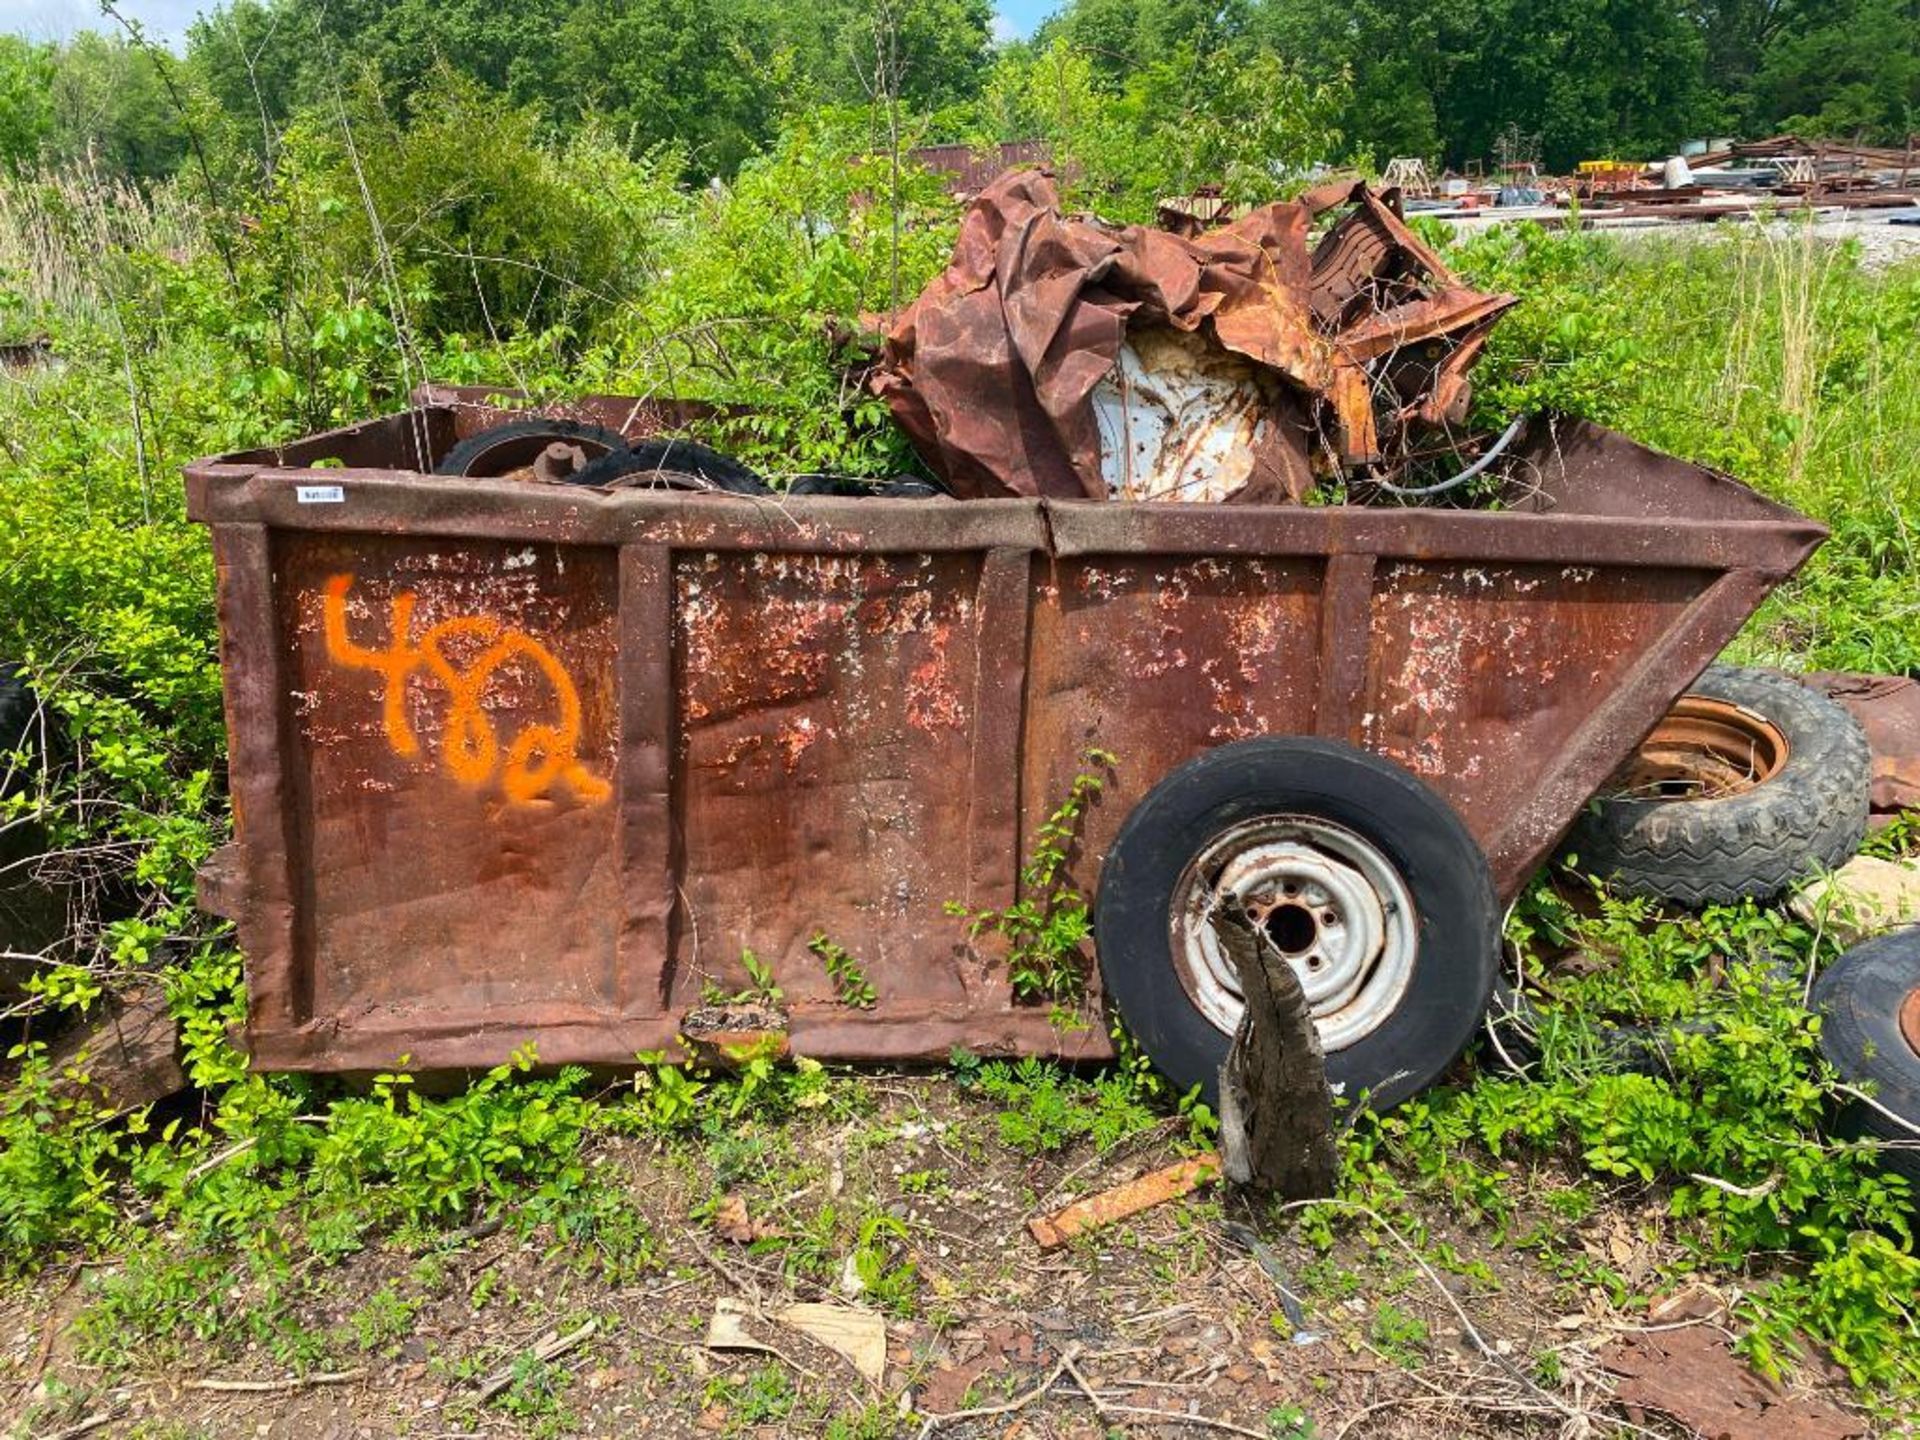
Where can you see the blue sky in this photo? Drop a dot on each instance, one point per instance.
(57, 19)
(168, 19)
(1021, 15)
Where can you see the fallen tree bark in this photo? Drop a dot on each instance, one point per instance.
(1276, 1112)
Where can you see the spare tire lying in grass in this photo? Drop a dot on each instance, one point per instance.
(19, 731)
(1869, 1000)
(1366, 879)
(1752, 782)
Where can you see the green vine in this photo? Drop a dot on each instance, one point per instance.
(1046, 929)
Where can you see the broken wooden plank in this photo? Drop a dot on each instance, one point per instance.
(1154, 1188)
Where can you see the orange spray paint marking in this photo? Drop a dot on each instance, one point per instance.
(539, 757)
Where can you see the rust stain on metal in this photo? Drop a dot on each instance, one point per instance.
(1888, 709)
(1910, 1020)
(1095, 1212)
(836, 716)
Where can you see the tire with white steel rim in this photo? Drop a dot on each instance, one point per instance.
(1364, 878)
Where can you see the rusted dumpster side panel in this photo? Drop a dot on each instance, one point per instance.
(1510, 666)
(1476, 674)
(826, 714)
(1156, 659)
(455, 734)
(515, 762)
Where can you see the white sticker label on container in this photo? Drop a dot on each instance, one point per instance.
(319, 494)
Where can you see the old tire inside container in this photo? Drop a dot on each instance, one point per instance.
(900, 487)
(1869, 1001)
(515, 445)
(670, 465)
(1804, 808)
(1256, 817)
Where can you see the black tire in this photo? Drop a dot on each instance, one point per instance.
(1811, 814)
(909, 487)
(1514, 1024)
(502, 448)
(1859, 1000)
(1418, 833)
(19, 732)
(670, 465)
(901, 487)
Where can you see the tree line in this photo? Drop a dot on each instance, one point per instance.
(1186, 90)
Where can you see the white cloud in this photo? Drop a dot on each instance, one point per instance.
(1002, 29)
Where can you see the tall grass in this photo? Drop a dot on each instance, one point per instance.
(59, 228)
(1820, 356)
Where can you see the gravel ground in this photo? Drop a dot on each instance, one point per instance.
(1881, 244)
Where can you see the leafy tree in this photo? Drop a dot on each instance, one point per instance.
(107, 103)
(1737, 36)
(1846, 68)
(249, 57)
(1591, 78)
(1244, 119)
(689, 72)
(1402, 60)
(1121, 38)
(710, 76)
(26, 75)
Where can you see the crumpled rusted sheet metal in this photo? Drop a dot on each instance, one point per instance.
(1036, 362)
(992, 370)
(1406, 331)
(1888, 709)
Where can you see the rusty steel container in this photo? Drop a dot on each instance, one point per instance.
(521, 762)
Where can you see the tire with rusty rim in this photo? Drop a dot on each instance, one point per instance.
(519, 444)
(1750, 783)
(1364, 877)
(1869, 1003)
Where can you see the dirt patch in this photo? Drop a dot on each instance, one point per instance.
(898, 1196)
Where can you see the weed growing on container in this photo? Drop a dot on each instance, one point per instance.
(1046, 929)
(850, 983)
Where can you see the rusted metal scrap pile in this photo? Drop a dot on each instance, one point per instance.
(1066, 357)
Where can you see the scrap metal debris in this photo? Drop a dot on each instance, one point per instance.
(1689, 1372)
(1095, 1211)
(1067, 357)
(1888, 709)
